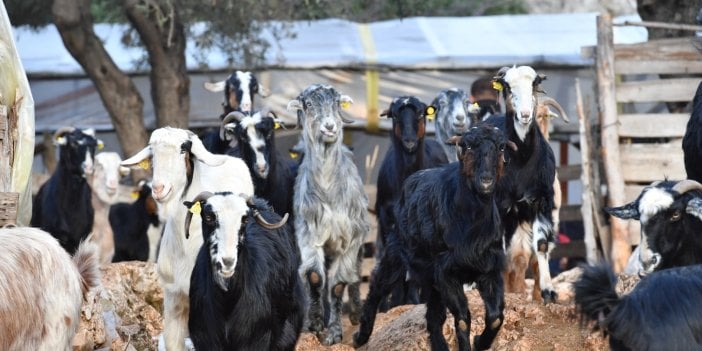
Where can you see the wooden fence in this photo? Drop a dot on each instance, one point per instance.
(637, 148)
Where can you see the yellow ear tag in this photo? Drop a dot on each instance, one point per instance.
(345, 104)
(195, 208)
(474, 108)
(100, 145)
(277, 125)
(145, 164)
(135, 195)
(497, 85)
(294, 155)
(430, 111)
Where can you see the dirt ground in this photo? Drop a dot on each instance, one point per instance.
(528, 326)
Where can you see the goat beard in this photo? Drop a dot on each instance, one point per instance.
(221, 281)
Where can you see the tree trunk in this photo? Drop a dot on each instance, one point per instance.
(117, 90)
(163, 35)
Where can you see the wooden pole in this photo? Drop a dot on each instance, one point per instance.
(662, 25)
(607, 105)
(593, 251)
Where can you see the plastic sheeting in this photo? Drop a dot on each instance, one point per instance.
(411, 43)
(24, 146)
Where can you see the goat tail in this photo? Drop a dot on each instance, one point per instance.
(595, 295)
(87, 260)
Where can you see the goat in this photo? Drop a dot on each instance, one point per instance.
(239, 90)
(103, 183)
(272, 174)
(526, 197)
(130, 223)
(182, 168)
(692, 141)
(661, 313)
(449, 233)
(330, 204)
(42, 289)
(251, 297)
(409, 152)
(452, 118)
(671, 220)
(62, 205)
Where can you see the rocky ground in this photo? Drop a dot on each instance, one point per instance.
(124, 314)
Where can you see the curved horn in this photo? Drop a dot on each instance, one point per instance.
(140, 156)
(216, 86)
(60, 132)
(501, 72)
(233, 116)
(259, 218)
(686, 185)
(201, 197)
(549, 101)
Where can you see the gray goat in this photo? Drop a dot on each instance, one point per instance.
(331, 221)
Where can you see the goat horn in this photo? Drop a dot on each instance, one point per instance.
(549, 101)
(201, 197)
(344, 119)
(686, 185)
(63, 130)
(233, 116)
(262, 221)
(512, 145)
(501, 72)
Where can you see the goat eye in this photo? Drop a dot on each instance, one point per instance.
(209, 218)
(675, 216)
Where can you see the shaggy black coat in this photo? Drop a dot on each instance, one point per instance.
(449, 233)
(408, 153)
(130, 223)
(62, 206)
(661, 313)
(264, 306)
(692, 141)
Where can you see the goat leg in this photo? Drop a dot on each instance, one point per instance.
(455, 299)
(492, 291)
(334, 331)
(436, 316)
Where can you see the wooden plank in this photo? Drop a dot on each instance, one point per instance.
(657, 66)
(607, 105)
(631, 191)
(569, 172)
(8, 208)
(677, 89)
(570, 213)
(653, 125)
(650, 162)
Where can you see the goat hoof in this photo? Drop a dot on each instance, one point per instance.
(331, 339)
(549, 296)
(359, 340)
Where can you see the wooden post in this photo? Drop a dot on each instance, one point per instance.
(372, 78)
(591, 248)
(620, 249)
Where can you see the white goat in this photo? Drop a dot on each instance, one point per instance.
(42, 289)
(182, 169)
(104, 183)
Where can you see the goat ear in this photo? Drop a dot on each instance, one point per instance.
(264, 92)
(193, 207)
(694, 207)
(385, 113)
(294, 105)
(628, 211)
(204, 156)
(140, 160)
(539, 78)
(215, 87)
(345, 101)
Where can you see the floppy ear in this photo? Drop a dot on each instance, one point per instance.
(385, 113)
(215, 87)
(628, 211)
(694, 207)
(294, 105)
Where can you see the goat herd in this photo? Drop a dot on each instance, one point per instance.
(255, 248)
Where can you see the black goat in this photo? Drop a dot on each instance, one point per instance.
(671, 221)
(661, 313)
(130, 223)
(526, 197)
(272, 174)
(239, 90)
(409, 152)
(62, 206)
(245, 290)
(449, 233)
(692, 141)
